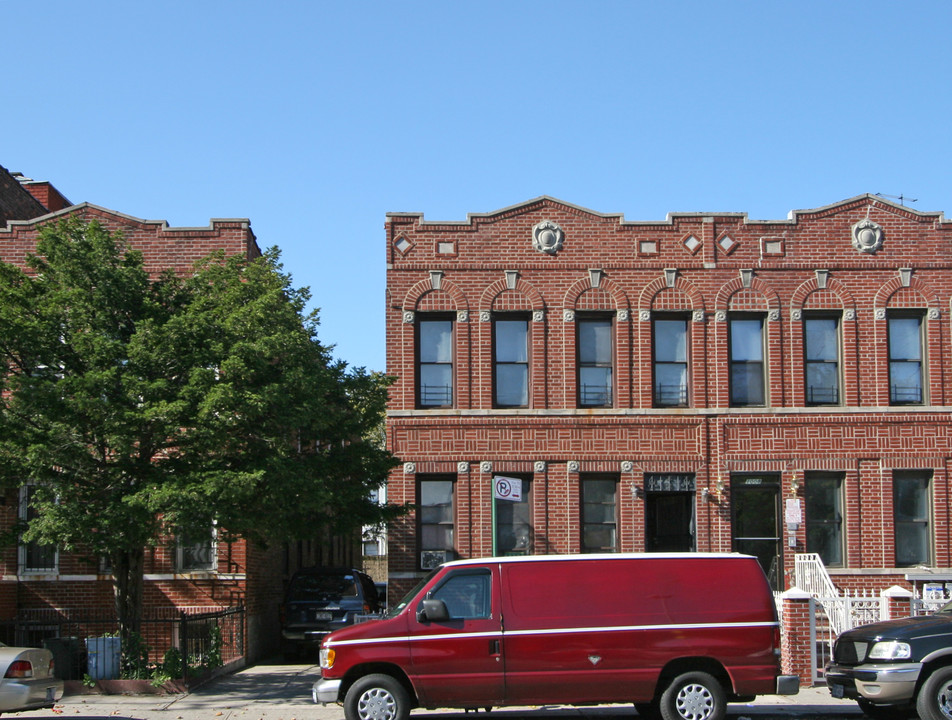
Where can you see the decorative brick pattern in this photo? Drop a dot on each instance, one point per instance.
(780, 268)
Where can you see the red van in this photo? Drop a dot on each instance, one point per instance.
(679, 635)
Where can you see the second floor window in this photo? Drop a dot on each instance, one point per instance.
(595, 354)
(435, 362)
(747, 372)
(905, 360)
(510, 362)
(670, 340)
(821, 350)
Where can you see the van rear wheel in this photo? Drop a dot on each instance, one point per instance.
(694, 696)
(377, 697)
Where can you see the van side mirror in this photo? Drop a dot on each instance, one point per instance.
(432, 611)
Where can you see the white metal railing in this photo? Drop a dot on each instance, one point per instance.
(933, 597)
(836, 612)
(810, 575)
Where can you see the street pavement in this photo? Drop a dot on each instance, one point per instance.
(283, 692)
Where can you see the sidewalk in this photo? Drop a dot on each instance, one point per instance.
(283, 692)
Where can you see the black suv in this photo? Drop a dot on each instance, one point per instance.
(897, 668)
(320, 600)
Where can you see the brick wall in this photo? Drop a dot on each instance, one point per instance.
(701, 267)
(243, 574)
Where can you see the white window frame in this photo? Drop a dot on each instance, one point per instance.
(181, 549)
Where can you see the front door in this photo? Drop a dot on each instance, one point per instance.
(755, 522)
(458, 662)
(669, 522)
(669, 512)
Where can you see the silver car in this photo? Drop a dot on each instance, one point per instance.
(27, 681)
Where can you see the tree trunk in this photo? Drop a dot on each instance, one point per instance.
(127, 573)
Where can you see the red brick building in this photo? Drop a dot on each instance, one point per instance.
(43, 588)
(706, 382)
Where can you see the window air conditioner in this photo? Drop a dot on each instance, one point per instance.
(430, 559)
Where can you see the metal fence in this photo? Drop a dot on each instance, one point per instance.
(204, 637)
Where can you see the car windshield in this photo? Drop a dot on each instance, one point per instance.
(396, 609)
(322, 587)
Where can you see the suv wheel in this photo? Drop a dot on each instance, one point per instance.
(377, 697)
(694, 696)
(934, 701)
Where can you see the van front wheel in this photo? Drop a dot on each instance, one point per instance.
(693, 696)
(377, 697)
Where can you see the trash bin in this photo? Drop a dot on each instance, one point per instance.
(68, 657)
(103, 657)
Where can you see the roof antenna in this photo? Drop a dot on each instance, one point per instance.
(902, 199)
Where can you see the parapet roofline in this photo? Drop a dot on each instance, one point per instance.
(791, 219)
(163, 224)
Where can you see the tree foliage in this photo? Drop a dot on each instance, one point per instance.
(143, 407)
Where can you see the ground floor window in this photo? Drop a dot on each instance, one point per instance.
(599, 513)
(435, 523)
(823, 495)
(512, 513)
(911, 517)
(196, 552)
(34, 557)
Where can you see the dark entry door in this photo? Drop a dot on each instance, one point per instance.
(755, 522)
(669, 522)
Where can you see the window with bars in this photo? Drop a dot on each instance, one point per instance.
(906, 350)
(510, 361)
(595, 361)
(748, 384)
(434, 336)
(670, 351)
(821, 357)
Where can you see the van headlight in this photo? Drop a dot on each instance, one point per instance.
(891, 650)
(327, 658)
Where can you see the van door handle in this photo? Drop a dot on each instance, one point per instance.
(493, 647)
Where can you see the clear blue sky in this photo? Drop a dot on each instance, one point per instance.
(315, 119)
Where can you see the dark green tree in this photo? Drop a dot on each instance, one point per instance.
(143, 407)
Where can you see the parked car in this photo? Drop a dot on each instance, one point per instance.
(320, 600)
(677, 634)
(28, 681)
(897, 668)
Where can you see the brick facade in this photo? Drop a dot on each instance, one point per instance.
(732, 471)
(243, 574)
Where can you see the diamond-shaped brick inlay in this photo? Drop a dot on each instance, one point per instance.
(727, 243)
(692, 244)
(402, 244)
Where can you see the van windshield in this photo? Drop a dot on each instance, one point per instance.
(395, 610)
